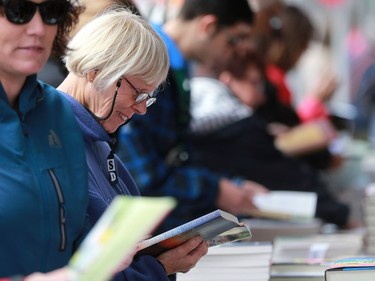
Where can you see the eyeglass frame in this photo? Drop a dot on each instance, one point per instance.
(142, 96)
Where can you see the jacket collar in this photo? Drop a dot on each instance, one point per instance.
(30, 94)
(90, 127)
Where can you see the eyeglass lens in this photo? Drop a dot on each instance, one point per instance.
(21, 11)
(142, 96)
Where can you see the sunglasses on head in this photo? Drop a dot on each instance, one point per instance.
(22, 11)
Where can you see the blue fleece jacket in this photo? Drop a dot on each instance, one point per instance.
(43, 181)
(102, 192)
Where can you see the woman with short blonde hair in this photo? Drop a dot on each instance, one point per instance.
(116, 62)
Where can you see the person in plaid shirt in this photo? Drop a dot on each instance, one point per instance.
(154, 147)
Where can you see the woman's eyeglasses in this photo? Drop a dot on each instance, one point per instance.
(22, 11)
(150, 98)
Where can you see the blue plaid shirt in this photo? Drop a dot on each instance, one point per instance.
(146, 146)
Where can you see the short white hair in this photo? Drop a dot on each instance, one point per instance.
(118, 43)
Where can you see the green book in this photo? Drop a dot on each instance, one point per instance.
(126, 222)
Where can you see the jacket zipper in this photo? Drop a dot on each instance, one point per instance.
(62, 217)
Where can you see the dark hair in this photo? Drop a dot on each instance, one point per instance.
(295, 24)
(228, 12)
(130, 5)
(296, 31)
(242, 61)
(66, 26)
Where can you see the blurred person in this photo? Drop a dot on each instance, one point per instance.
(154, 147)
(284, 32)
(229, 134)
(364, 101)
(43, 172)
(116, 62)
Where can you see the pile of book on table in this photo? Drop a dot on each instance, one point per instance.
(305, 258)
(239, 261)
(350, 269)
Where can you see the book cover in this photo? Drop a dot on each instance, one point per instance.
(353, 268)
(285, 205)
(126, 222)
(306, 138)
(299, 269)
(217, 227)
(316, 248)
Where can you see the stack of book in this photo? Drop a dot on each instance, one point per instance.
(269, 229)
(283, 212)
(305, 258)
(299, 271)
(353, 268)
(317, 247)
(369, 218)
(239, 261)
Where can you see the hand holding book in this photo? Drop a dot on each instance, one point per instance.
(215, 228)
(115, 236)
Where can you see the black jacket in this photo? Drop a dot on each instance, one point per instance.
(245, 149)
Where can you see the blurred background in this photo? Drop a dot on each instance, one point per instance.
(346, 27)
(343, 43)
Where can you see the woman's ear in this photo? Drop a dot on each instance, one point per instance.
(91, 75)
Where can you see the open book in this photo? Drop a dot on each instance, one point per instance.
(217, 227)
(306, 138)
(285, 205)
(126, 221)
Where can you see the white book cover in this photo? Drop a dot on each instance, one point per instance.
(286, 205)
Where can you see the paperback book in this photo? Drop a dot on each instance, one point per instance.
(285, 205)
(125, 223)
(216, 228)
(306, 138)
(296, 270)
(354, 268)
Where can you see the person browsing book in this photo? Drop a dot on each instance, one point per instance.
(154, 147)
(116, 62)
(241, 144)
(43, 172)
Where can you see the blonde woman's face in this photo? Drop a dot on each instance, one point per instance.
(125, 105)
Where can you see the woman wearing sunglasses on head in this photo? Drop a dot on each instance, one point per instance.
(116, 62)
(43, 172)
